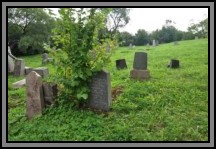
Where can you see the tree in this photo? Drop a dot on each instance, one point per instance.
(141, 37)
(30, 27)
(82, 53)
(125, 38)
(117, 18)
(200, 29)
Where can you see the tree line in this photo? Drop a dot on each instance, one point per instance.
(30, 28)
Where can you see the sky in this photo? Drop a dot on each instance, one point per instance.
(151, 19)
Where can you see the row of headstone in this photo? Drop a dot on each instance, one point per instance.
(40, 94)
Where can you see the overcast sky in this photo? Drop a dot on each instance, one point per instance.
(151, 19)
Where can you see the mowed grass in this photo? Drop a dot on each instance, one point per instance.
(171, 106)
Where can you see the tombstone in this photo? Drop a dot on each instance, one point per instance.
(100, 92)
(196, 37)
(50, 93)
(153, 43)
(19, 69)
(174, 63)
(140, 71)
(34, 93)
(42, 71)
(28, 70)
(10, 65)
(121, 64)
(130, 46)
(156, 42)
(19, 84)
(108, 48)
(44, 58)
(175, 42)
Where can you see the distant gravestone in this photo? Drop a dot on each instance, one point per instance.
(100, 92)
(153, 43)
(175, 42)
(44, 58)
(19, 69)
(156, 42)
(140, 71)
(10, 65)
(121, 64)
(50, 91)
(130, 46)
(196, 37)
(174, 63)
(34, 100)
(42, 71)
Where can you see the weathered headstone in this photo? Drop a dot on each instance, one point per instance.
(43, 71)
(34, 100)
(140, 61)
(140, 71)
(100, 92)
(175, 42)
(44, 58)
(19, 84)
(28, 70)
(121, 64)
(10, 65)
(174, 63)
(19, 69)
(50, 92)
(153, 43)
(196, 37)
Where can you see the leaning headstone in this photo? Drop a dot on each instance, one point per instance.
(121, 64)
(10, 65)
(174, 63)
(153, 43)
(34, 93)
(50, 93)
(19, 69)
(100, 92)
(19, 84)
(140, 71)
(44, 58)
(28, 70)
(43, 71)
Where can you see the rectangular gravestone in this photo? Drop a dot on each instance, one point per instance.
(140, 61)
(10, 65)
(28, 70)
(43, 71)
(50, 92)
(174, 63)
(34, 93)
(140, 71)
(153, 43)
(100, 91)
(130, 46)
(121, 64)
(19, 69)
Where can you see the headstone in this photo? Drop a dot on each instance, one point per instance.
(100, 92)
(34, 100)
(196, 37)
(50, 93)
(44, 58)
(153, 43)
(174, 63)
(10, 65)
(156, 42)
(175, 42)
(140, 71)
(28, 70)
(42, 71)
(133, 46)
(19, 84)
(130, 46)
(108, 48)
(19, 69)
(140, 61)
(121, 64)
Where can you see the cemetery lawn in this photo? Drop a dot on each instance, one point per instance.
(171, 106)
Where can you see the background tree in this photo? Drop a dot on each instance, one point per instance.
(28, 29)
(141, 37)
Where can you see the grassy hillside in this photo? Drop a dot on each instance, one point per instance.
(172, 105)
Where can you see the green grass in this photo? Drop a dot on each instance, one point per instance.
(171, 106)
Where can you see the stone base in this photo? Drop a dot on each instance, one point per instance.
(42, 71)
(139, 74)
